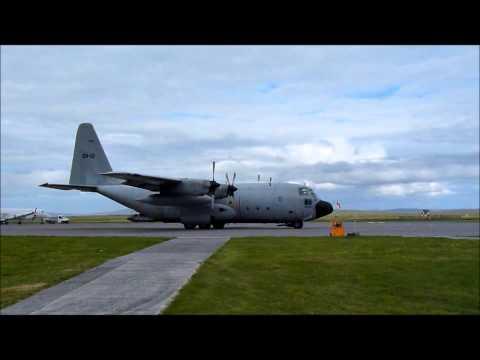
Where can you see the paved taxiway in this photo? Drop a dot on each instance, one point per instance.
(401, 228)
(141, 283)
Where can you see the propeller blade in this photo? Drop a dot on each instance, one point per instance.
(228, 181)
(213, 170)
(213, 202)
(234, 176)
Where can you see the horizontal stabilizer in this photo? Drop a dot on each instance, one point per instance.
(90, 188)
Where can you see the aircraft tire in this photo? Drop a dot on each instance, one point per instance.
(204, 226)
(218, 225)
(189, 226)
(298, 224)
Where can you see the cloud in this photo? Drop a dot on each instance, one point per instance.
(325, 186)
(376, 93)
(123, 139)
(426, 188)
(346, 119)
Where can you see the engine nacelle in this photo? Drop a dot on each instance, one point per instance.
(221, 192)
(189, 187)
(223, 213)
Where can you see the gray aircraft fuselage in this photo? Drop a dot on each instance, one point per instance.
(251, 203)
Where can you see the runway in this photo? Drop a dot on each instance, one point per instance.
(399, 228)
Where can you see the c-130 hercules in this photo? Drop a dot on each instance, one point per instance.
(192, 202)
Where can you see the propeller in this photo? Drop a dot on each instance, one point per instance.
(231, 188)
(213, 186)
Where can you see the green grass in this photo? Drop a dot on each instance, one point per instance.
(363, 275)
(403, 216)
(31, 263)
(358, 215)
(99, 219)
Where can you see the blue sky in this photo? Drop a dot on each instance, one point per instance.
(375, 127)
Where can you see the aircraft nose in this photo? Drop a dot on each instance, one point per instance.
(323, 208)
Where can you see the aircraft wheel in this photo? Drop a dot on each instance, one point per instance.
(189, 226)
(298, 224)
(204, 226)
(218, 225)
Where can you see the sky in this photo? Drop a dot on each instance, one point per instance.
(374, 127)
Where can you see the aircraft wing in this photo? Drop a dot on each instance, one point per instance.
(153, 183)
(91, 188)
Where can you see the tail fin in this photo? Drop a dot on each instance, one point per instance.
(89, 159)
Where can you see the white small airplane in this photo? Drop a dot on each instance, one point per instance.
(18, 215)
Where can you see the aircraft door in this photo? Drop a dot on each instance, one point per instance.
(285, 207)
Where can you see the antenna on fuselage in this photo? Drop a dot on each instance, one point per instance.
(258, 177)
(213, 186)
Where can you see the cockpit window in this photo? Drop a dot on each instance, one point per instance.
(305, 191)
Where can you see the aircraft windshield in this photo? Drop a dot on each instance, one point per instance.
(305, 191)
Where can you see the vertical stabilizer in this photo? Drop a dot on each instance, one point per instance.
(89, 159)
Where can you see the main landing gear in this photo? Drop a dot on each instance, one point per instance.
(215, 225)
(297, 224)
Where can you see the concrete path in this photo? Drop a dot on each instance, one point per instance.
(141, 283)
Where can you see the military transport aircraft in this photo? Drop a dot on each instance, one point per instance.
(192, 202)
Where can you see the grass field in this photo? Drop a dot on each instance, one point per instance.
(364, 275)
(99, 219)
(358, 215)
(29, 264)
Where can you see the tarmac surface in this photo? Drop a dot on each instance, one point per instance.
(400, 228)
(141, 283)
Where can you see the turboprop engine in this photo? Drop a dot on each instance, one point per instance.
(189, 187)
(224, 191)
